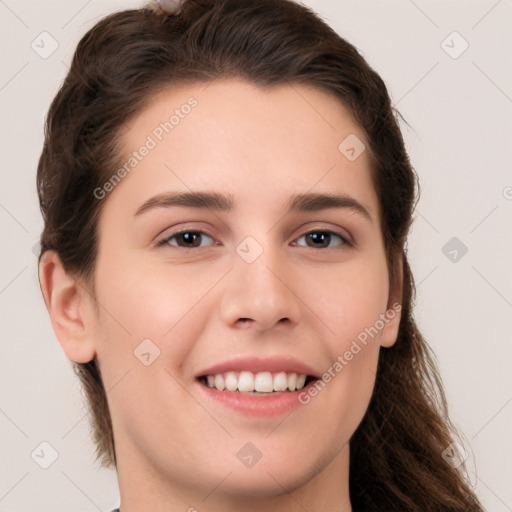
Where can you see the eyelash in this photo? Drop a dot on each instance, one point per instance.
(344, 240)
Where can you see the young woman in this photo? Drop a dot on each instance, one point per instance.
(226, 197)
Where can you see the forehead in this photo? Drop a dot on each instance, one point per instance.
(249, 141)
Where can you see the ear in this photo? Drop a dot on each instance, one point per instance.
(69, 308)
(393, 313)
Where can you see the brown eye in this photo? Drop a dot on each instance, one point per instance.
(185, 239)
(321, 239)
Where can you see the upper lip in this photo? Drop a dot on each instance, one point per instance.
(258, 364)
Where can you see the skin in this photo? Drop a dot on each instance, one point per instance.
(176, 450)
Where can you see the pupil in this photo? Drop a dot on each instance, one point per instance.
(189, 237)
(316, 237)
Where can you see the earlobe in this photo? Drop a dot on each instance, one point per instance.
(392, 324)
(393, 312)
(69, 312)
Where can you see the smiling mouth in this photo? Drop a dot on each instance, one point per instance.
(260, 383)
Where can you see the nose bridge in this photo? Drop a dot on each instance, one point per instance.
(258, 287)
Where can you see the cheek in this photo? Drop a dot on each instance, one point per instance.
(155, 311)
(156, 302)
(348, 298)
(358, 296)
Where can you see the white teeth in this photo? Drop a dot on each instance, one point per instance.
(231, 381)
(246, 382)
(261, 382)
(281, 382)
(301, 380)
(219, 381)
(292, 381)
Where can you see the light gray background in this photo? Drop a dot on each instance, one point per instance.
(460, 144)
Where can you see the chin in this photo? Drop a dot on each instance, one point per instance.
(266, 482)
(271, 474)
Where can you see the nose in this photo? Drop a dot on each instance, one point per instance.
(259, 295)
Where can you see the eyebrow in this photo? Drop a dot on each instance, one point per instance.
(308, 202)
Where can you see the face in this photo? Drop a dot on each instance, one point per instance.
(209, 302)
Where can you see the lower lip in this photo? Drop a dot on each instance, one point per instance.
(274, 404)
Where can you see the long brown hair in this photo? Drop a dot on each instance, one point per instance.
(396, 453)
